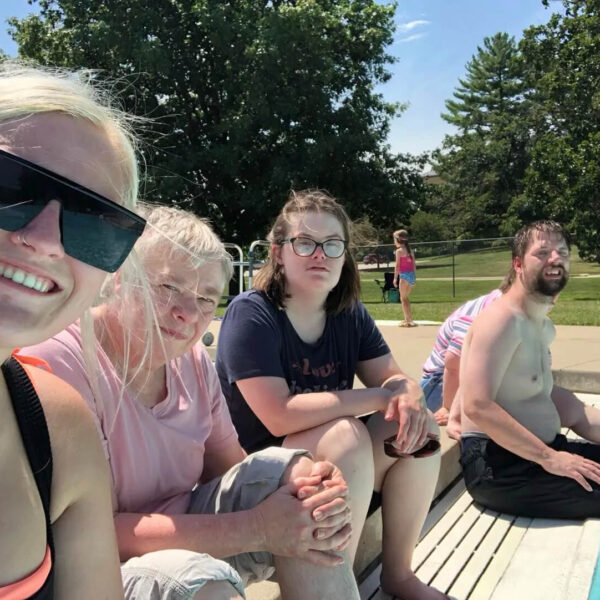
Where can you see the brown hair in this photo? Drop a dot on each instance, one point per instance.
(271, 279)
(522, 241)
(401, 239)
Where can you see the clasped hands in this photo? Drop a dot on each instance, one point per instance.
(309, 517)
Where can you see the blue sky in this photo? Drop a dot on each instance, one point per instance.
(434, 41)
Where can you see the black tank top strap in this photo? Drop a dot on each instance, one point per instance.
(36, 439)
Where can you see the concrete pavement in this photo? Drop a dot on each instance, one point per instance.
(575, 352)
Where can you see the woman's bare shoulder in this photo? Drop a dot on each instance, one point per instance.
(60, 400)
(76, 449)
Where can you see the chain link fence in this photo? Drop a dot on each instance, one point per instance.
(448, 260)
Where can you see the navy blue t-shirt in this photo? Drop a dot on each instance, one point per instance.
(258, 340)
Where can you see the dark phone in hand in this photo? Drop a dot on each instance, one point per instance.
(431, 447)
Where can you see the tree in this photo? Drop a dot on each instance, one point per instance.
(248, 98)
(483, 164)
(563, 179)
(427, 227)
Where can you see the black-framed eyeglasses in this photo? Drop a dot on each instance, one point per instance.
(305, 246)
(93, 229)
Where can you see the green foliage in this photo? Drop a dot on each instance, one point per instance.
(528, 139)
(427, 227)
(563, 180)
(491, 89)
(484, 162)
(248, 98)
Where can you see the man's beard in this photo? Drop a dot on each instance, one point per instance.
(545, 287)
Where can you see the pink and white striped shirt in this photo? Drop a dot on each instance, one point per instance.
(452, 332)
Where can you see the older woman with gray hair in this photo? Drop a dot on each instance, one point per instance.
(195, 517)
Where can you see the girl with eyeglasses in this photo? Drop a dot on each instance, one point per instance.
(68, 182)
(287, 356)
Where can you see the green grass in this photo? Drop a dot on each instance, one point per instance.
(478, 263)
(432, 300)
(579, 303)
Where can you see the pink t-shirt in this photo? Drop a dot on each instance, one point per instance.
(156, 454)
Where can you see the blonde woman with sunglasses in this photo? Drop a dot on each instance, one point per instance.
(68, 182)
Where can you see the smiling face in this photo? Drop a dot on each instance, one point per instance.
(42, 290)
(185, 298)
(544, 269)
(317, 272)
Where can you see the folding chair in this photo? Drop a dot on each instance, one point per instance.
(388, 284)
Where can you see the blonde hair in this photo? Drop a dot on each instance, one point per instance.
(182, 231)
(26, 90)
(172, 232)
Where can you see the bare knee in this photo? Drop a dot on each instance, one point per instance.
(217, 590)
(334, 440)
(349, 434)
(344, 442)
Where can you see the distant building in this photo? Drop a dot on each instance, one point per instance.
(432, 178)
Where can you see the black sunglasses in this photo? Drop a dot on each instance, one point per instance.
(93, 229)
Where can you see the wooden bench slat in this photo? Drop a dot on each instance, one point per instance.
(464, 550)
(441, 529)
(481, 558)
(485, 586)
(584, 562)
(546, 549)
(460, 527)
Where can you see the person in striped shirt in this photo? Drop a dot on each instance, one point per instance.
(440, 372)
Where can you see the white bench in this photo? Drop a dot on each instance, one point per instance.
(471, 553)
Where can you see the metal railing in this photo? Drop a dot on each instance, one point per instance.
(252, 260)
(378, 255)
(239, 263)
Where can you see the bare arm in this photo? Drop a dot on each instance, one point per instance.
(219, 462)
(450, 385)
(583, 419)
(397, 263)
(218, 535)
(281, 524)
(282, 413)
(388, 390)
(86, 560)
(451, 379)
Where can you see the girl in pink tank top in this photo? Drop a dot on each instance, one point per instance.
(404, 274)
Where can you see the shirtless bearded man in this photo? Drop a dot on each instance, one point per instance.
(514, 457)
